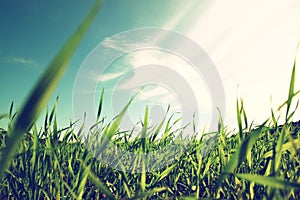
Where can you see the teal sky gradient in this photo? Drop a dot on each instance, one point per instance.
(252, 44)
(33, 31)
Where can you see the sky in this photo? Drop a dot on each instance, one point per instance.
(252, 44)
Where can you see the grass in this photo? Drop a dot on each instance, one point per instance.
(49, 162)
(53, 163)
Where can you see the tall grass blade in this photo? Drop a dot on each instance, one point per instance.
(285, 147)
(44, 88)
(100, 105)
(11, 110)
(143, 141)
(98, 182)
(241, 153)
(244, 115)
(269, 181)
(165, 173)
(278, 149)
(159, 127)
(291, 91)
(239, 119)
(144, 129)
(291, 95)
(111, 130)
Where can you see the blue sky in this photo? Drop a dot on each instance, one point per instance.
(33, 31)
(252, 43)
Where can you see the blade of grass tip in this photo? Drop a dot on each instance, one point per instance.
(100, 105)
(110, 130)
(11, 110)
(240, 153)
(239, 119)
(44, 88)
(115, 125)
(244, 115)
(269, 181)
(46, 119)
(53, 111)
(167, 130)
(291, 91)
(292, 84)
(158, 129)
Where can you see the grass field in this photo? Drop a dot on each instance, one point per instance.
(258, 162)
(50, 162)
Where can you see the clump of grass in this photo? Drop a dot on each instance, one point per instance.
(257, 162)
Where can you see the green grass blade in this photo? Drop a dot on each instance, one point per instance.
(165, 173)
(241, 153)
(286, 102)
(285, 147)
(100, 105)
(11, 110)
(278, 149)
(158, 129)
(115, 125)
(111, 130)
(143, 141)
(292, 113)
(144, 129)
(291, 94)
(98, 183)
(269, 181)
(52, 114)
(44, 88)
(291, 90)
(244, 115)
(239, 119)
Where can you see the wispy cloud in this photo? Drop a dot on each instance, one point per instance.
(23, 61)
(16, 60)
(157, 92)
(127, 44)
(110, 76)
(118, 43)
(160, 96)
